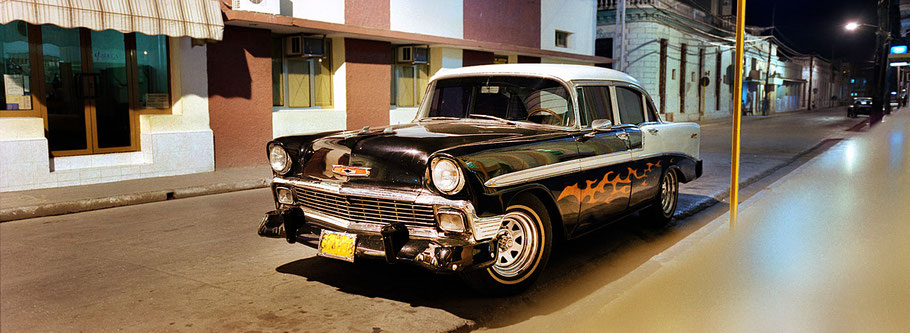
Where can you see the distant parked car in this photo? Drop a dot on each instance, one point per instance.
(861, 105)
(500, 161)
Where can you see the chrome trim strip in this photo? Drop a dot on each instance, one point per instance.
(532, 174)
(485, 228)
(650, 155)
(371, 192)
(600, 161)
(558, 169)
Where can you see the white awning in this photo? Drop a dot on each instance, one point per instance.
(176, 18)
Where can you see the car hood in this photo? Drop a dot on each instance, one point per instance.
(397, 156)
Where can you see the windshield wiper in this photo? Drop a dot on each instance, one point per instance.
(486, 116)
(438, 118)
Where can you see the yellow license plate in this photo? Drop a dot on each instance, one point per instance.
(338, 245)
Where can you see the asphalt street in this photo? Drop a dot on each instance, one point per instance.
(196, 264)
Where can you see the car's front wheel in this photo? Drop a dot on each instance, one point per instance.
(525, 241)
(661, 211)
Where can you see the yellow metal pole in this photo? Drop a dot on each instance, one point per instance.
(737, 110)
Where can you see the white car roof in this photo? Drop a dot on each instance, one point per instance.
(560, 71)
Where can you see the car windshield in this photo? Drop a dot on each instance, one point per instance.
(508, 98)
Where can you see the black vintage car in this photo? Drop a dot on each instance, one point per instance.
(861, 105)
(500, 161)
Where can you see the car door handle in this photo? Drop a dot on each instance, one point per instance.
(586, 137)
(622, 135)
(653, 131)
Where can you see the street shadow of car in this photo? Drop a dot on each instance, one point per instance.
(576, 269)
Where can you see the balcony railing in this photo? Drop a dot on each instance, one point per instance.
(611, 4)
(678, 7)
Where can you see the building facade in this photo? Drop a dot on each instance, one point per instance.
(108, 90)
(376, 63)
(683, 52)
(100, 91)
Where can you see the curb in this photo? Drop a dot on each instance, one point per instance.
(77, 206)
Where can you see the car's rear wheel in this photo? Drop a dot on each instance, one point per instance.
(661, 211)
(525, 241)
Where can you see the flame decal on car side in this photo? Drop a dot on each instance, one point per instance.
(598, 191)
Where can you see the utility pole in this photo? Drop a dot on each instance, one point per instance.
(737, 110)
(621, 33)
(701, 83)
(882, 38)
(766, 109)
(811, 73)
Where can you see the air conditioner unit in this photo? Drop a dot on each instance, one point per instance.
(405, 54)
(260, 6)
(413, 54)
(304, 46)
(421, 55)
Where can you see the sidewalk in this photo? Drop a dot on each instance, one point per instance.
(729, 117)
(73, 199)
(768, 144)
(822, 249)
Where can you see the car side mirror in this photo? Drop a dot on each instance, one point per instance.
(602, 125)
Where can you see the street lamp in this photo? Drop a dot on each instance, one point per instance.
(851, 26)
(880, 102)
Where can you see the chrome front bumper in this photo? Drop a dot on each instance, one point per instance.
(477, 229)
(425, 245)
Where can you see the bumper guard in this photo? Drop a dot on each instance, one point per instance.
(393, 242)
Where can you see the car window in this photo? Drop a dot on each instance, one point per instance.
(596, 104)
(523, 99)
(652, 113)
(630, 108)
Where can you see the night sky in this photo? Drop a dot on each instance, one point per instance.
(813, 26)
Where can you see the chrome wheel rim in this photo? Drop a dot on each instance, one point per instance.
(517, 243)
(668, 192)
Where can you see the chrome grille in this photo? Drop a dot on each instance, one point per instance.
(364, 209)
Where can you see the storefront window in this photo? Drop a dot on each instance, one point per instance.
(152, 60)
(65, 88)
(93, 84)
(301, 82)
(113, 122)
(16, 68)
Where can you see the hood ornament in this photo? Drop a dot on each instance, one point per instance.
(350, 171)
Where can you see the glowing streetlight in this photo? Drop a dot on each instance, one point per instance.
(851, 26)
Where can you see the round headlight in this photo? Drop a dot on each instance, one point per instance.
(279, 159)
(446, 175)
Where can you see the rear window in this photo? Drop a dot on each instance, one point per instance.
(630, 108)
